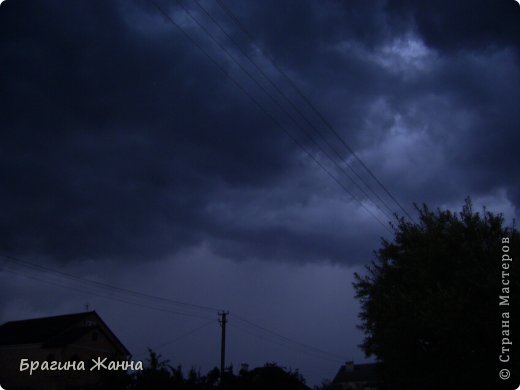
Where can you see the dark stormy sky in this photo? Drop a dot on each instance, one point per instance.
(158, 160)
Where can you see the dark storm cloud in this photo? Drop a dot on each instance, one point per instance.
(298, 33)
(460, 25)
(123, 146)
(113, 141)
(453, 87)
(120, 139)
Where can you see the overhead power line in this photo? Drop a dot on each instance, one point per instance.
(289, 101)
(252, 39)
(266, 112)
(299, 351)
(102, 285)
(289, 340)
(298, 110)
(105, 296)
(128, 296)
(160, 346)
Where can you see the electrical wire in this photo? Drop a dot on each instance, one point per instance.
(289, 340)
(273, 99)
(244, 324)
(104, 286)
(294, 106)
(180, 337)
(288, 346)
(28, 264)
(184, 335)
(266, 112)
(114, 298)
(252, 39)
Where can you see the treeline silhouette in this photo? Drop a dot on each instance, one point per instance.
(158, 374)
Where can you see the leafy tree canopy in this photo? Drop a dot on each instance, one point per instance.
(430, 300)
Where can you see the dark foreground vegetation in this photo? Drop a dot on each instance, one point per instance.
(158, 374)
(439, 303)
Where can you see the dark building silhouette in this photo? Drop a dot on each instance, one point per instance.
(66, 339)
(358, 377)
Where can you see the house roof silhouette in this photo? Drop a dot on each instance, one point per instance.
(56, 330)
(351, 373)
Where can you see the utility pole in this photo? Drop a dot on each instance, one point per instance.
(223, 321)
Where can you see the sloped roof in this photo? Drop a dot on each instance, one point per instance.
(56, 330)
(69, 336)
(368, 372)
(38, 330)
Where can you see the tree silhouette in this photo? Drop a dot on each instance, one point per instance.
(430, 300)
(158, 374)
